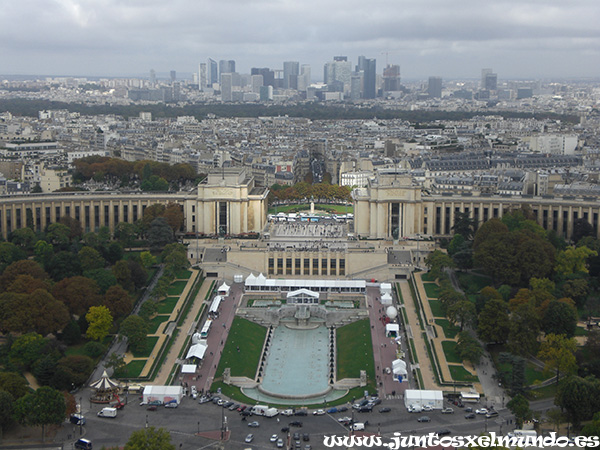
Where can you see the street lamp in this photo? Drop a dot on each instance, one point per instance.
(146, 420)
(81, 418)
(198, 427)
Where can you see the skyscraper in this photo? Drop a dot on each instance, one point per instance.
(291, 70)
(152, 77)
(213, 73)
(391, 78)
(202, 76)
(370, 78)
(226, 66)
(489, 80)
(173, 75)
(338, 70)
(256, 82)
(226, 87)
(434, 87)
(267, 74)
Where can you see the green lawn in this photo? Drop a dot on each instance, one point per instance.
(580, 331)
(355, 350)
(167, 305)
(335, 209)
(459, 373)
(183, 274)
(176, 288)
(155, 322)
(432, 290)
(533, 375)
(450, 331)
(450, 352)
(250, 338)
(436, 308)
(132, 369)
(472, 283)
(150, 343)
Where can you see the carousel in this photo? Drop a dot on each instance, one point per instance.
(105, 390)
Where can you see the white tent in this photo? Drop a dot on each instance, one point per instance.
(385, 288)
(399, 369)
(196, 338)
(435, 399)
(163, 394)
(188, 368)
(197, 351)
(392, 330)
(386, 299)
(224, 289)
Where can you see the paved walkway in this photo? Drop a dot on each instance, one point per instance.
(414, 331)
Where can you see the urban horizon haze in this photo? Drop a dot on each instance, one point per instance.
(529, 39)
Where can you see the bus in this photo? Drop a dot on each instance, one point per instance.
(205, 329)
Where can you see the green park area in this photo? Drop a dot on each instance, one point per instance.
(450, 352)
(167, 305)
(249, 338)
(436, 308)
(432, 290)
(183, 274)
(450, 331)
(332, 209)
(176, 288)
(459, 373)
(145, 353)
(355, 350)
(155, 322)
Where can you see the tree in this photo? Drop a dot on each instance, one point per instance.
(43, 252)
(560, 318)
(524, 330)
(115, 362)
(91, 259)
(74, 226)
(558, 353)
(114, 252)
(461, 312)
(148, 309)
(468, 348)
(556, 417)
(160, 233)
(573, 260)
(45, 369)
(487, 229)
(578, 398)
(104, 278)
(513, 375)
(14, 383)
(122, 273)
(581, 229)
(78, 294)
(125, 233)
(135, 329)
(100, 320)
(71, 334)
(464, 225)
(22, 267)
(150, 439)
(64, 265)
(139, 276)
(118, 301)
(72, 370)
(43, 407)
(38, 311)
(493, 323)
(175, 256)
(577, 289)
(6, 412)
(9, 253)
(24, 238)
(26, 284)
(519, 406)
(592, 428)
(437, 261)
(147, 259)
(58, 234)
(27, 349)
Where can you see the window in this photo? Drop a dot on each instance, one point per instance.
(342, 267)
(332, 266)
(324, 266)
(271, 266)
(315, 266)
(306, 266)
(297, 266)
(288, 266)
(280, 265)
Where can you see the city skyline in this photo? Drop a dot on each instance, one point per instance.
(434, 38)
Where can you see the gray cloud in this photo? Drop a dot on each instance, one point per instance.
(452, 39)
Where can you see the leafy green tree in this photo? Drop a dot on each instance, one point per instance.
(6, 412)
(122, 273)
(560, 318)
(100, 321)
(148, 309)
(581, 229)
(524, 330)
(462, 312)
(486, 230)
(512, 372)
(469, 348)
(58, 234)
(150, 439)
(64, 265)
(558, 353)
(592, 428)
(577, 289)
(78, 294)
(45, 406)
(9, 253)
(24, 238)
(494, 324)
(45, 369)
(135, 329)
(115, 362)
(139, 276)
(556, 417)
(114, 252)
(437, 261)
(464, 225)
(125, 233)
(147, 259)
(26, 284)
(43, 252)
(21, 267)
(74, 226)
(519, 406)
(578, 398)
(94, 349)
(72, 370)
(573, 260)
(160, 233)
(27, 349)
(14, 383)
(91, 259)
(104, 278)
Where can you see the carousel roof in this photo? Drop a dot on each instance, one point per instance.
(104, 383)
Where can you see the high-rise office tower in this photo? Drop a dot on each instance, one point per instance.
(304, 80)
(370, 78)
(391, 78)
(338, 70)
(226, 66)
(213, 72)
(361, 63)
(152, 77)
(291, 70)
(356, 85)
(256, 82)
(202, 76)
(267, 74)
(226, 87)
(434, 87)
(173, 75)
(489, 80)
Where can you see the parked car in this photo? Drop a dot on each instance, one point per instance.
(491, 414)
(468, 409)
(296, 436)
(296, 423)
(424, 419)
(274, 438)
(447, 411)
(427, 408)
(374, 401)
(342, 409)
(279, 443)
(332, 410)
(151, 408)
(227, 404)
(172, 404)
(234, 407)
(318, 412)
(366, 408)
(204, 399)
(481, 411)
(241, 408)
(287, 412)
(216, 400)
(443, 432)
(194, 392)
(301, 412)
(254, 424)
(385, 410)
(470, 415)
(249, 438)
(306, 437)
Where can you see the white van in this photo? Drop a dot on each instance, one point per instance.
(108, 412)
(359, 426)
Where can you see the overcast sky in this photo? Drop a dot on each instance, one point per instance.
(451, 39)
